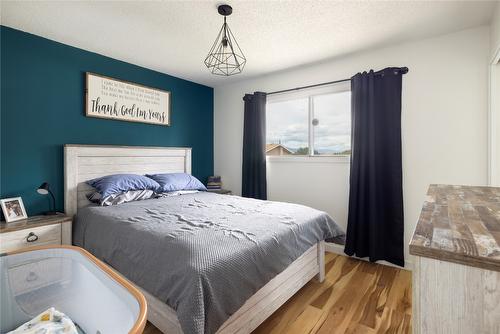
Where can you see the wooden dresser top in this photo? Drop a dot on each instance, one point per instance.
(460, 224)
(34, 221)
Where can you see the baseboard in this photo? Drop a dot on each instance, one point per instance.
(339, 249)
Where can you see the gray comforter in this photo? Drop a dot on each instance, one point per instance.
(203, 254)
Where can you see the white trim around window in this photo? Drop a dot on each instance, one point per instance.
(310, 93)
(339, 159)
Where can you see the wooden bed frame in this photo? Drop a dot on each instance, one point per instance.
(84, 162)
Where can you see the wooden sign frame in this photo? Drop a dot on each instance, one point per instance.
(110, 98)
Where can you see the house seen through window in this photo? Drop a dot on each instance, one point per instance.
(309, 123)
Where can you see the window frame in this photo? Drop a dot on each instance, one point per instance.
(310, 94)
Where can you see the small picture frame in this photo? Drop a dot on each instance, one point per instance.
(13, 209)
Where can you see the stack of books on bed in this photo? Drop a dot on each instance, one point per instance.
(214, 183)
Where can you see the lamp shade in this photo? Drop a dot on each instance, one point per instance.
(225, 56)
(43, 189)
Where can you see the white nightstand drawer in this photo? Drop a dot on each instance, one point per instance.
(36, 236)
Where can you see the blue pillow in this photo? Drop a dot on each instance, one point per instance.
(177, 181)
(118, 183)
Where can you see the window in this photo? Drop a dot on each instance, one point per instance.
(310, 123)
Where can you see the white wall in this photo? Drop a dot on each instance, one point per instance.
(313, 182)
(495, 31)
(445, 107)
(494, 119)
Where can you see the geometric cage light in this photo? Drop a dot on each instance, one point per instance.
(225, 56)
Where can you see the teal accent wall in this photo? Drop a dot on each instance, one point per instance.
(42, 108)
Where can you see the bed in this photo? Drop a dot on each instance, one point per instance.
(227, 270)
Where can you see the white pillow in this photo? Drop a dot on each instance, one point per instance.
(177, 193)
(119, 198)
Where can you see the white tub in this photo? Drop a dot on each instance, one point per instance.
(75, 283)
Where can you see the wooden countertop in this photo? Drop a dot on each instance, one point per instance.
(460, 224)
(34, 221)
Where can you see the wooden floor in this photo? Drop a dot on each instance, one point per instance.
(356, 297)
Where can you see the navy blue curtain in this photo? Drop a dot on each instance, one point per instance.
(254, 183)
(375, 227)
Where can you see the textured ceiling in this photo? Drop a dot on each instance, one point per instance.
(174, 36)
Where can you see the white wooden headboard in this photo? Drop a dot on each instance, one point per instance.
(85, 162)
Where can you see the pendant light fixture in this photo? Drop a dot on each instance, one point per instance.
(225, 56)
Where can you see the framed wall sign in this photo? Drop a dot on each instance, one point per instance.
(121, 100)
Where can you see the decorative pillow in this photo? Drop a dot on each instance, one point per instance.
(94, 197)
(177, 181)
(119, 183)
(119, 198)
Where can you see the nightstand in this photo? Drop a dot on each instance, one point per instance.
(35, 231)
(220, 191)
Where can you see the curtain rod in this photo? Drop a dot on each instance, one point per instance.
(403, 70)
